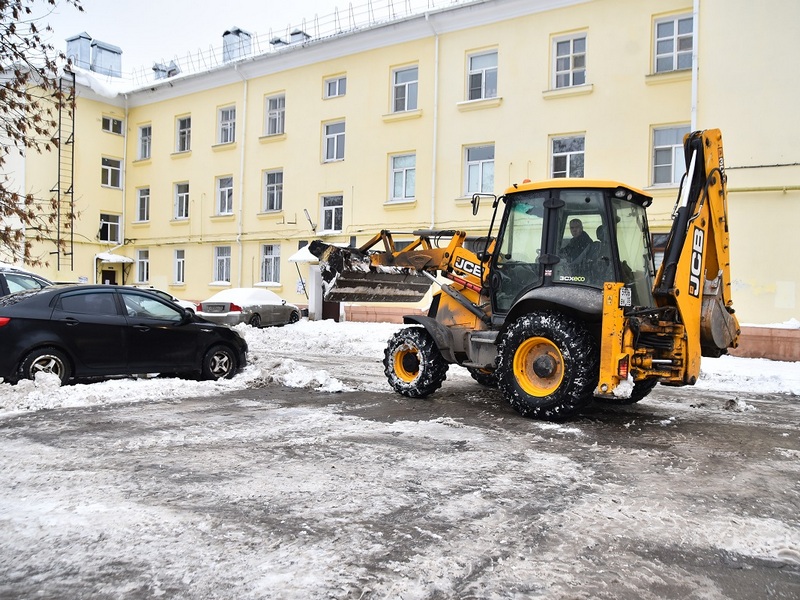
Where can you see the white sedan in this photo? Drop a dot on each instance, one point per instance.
(255, 306)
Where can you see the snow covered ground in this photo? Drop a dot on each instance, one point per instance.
(273, 486)
(333, 357)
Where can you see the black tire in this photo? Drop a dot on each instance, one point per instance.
(413, 364)
(641, 389)
(294, 318)
(483, 376)
(548, 366)
(46, 360)
(255, 320)
(220, 362)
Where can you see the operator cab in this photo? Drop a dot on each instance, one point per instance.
(572, 232)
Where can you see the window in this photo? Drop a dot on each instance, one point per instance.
(224, 195)
(111, 172)
(406, 82)
(403, 177)
(674, 44)
(145, 141)
(273, 190)
(336, 86)
(479, 169)
(570, 61)
(143, 204)
(334, 141)
(112, 125)
(567, 157)
(482, 76)
(227, 125)
(142, 266)
(271, 263)
(332, 210)
(181, 200)
(179, 269)
(668, 161)
(222, 263)
(184, 142)
(109, 228)
(100, 302)
(276, 115)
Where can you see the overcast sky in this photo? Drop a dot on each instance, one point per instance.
(150, 31)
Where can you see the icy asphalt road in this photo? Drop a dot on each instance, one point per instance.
(275, 492)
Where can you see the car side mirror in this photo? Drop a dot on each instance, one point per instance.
(283, 302)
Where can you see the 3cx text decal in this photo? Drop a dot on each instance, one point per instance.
(578, 278)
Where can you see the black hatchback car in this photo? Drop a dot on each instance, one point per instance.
(79, 331)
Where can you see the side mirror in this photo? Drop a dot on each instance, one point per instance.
(476, 203)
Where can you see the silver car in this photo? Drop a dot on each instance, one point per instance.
(255, 306)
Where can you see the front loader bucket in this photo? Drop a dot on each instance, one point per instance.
(348, 275)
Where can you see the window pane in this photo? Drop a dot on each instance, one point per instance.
(579, 78)
(480, 153)
(483, 61)
(576, 165)
(579, 45)
(665, 29)
(685, 26)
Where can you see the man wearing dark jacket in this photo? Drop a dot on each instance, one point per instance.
(580, 239)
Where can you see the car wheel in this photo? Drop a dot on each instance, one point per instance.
(219, 363)
(46, 360)
(294, 317)
(255, 320)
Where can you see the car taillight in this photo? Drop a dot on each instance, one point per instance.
(235, 308)
(4, 321)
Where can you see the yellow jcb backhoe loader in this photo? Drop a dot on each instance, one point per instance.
(553, 316)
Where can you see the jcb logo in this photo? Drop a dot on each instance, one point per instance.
(698, 237)
(468, 267)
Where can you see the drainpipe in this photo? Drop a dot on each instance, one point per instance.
(124, 185)
(435, 120)
(695, 69)
(241, 130)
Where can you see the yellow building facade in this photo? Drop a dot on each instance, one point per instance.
(216, 179)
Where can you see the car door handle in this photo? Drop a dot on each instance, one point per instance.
(141, 327)
(71, 322)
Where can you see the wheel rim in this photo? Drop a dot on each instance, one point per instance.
(538, 366)
(406, 363)
(294, 318)
(255, 320)
(47, 363)
(221, 364)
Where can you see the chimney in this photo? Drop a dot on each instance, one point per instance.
(235, 44)
(79, 50)
(298, 35)
(162, 71)
(106, 59)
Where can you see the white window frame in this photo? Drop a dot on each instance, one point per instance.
(222, 263)
(479, 170)
(335, 86)
(485, 75)
(181, 207)
(142, 266)
(668, 155)
(402, 177)
(569, 61)
(224, 187)
(226, 125)
(109, 228)
(571, 163)
(331, 211)
(183, 134)
(112, 125)
(111, 172)
(670, 50)
(271, 263)
(275, 115)
(273, 190)
(333, 141)
(179, 267)
(145, 146)
(405, 88)
(143, 204)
